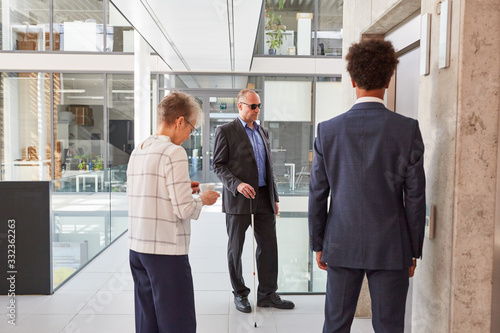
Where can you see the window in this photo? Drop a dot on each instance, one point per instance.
(79, 131)
(79, 28)
(308, 28)
(288, 117)
(122, 33)
(25, 149)
(25, 25)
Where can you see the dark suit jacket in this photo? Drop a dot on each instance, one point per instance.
(234, 162)
(371, 160)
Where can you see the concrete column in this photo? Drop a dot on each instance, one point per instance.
(142, 90)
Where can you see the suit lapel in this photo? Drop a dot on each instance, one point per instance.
(244, 137)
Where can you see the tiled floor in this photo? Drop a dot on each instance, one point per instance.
(100, 298)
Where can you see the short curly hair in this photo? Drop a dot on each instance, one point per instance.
(178, 104)
(371, 63)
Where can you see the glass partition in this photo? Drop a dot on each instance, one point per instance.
(79, 122)
(122, 31)
(120, 145)
(329, 34)
(86, 218)
(306, 28)
(25, 147)
(288, 117)
(120, 117)
(288, 27)
(25, 25)
(80, 28)
(298, 271)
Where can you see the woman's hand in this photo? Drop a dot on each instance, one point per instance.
(209, 197)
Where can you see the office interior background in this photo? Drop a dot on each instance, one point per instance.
(80, 81)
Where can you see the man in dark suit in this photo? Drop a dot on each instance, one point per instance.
(369, 160)
(242, 161)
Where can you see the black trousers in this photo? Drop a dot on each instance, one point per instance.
(163, 291)
(388, 290)
(267, 247)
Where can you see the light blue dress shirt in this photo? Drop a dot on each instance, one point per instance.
(258, 148)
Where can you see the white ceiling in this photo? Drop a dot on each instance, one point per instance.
(196, 34)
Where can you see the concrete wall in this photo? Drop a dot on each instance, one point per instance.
(458, 115)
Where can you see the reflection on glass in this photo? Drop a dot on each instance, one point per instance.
(79, 128)
(194, 150)
(86, 219)
(80, 28)
(25, 127)
(121, 118)
(120, 146)
(297, 268)
(122, 31)
(330, 22)
(25, 25)
(222, 111)
(288, 26)
(288, 118)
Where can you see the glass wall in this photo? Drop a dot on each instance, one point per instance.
(304, 28)
(329, 34)
(79, 131)
(82, 26)
(79, 28)
(25, 117)
(288, 115)
(122, 32)
(121, 143)
(25, 25)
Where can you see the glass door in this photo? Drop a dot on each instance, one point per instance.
(218, 109)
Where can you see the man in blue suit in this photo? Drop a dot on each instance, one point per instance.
(369, 163)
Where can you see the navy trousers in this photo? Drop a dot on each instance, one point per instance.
(267, 247)
(388, 291)
(163, 292)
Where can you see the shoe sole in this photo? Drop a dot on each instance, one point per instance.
(272, 305)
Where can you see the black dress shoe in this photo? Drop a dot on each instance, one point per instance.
(275, 301)
(242, 304)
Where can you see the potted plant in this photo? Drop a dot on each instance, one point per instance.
(274, 27)
(97, 163)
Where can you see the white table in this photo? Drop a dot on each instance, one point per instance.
(95, 174)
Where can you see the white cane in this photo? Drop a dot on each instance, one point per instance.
(253, 255)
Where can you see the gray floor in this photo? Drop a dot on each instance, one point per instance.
(100, 298)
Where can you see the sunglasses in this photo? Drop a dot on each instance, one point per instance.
(253, 106)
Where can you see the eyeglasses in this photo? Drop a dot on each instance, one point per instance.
(253, 106)
(194, 130)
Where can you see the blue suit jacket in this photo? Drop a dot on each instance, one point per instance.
(370, 160)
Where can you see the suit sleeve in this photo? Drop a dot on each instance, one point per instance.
(319, 189)
(221, 160)
(414, 193)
